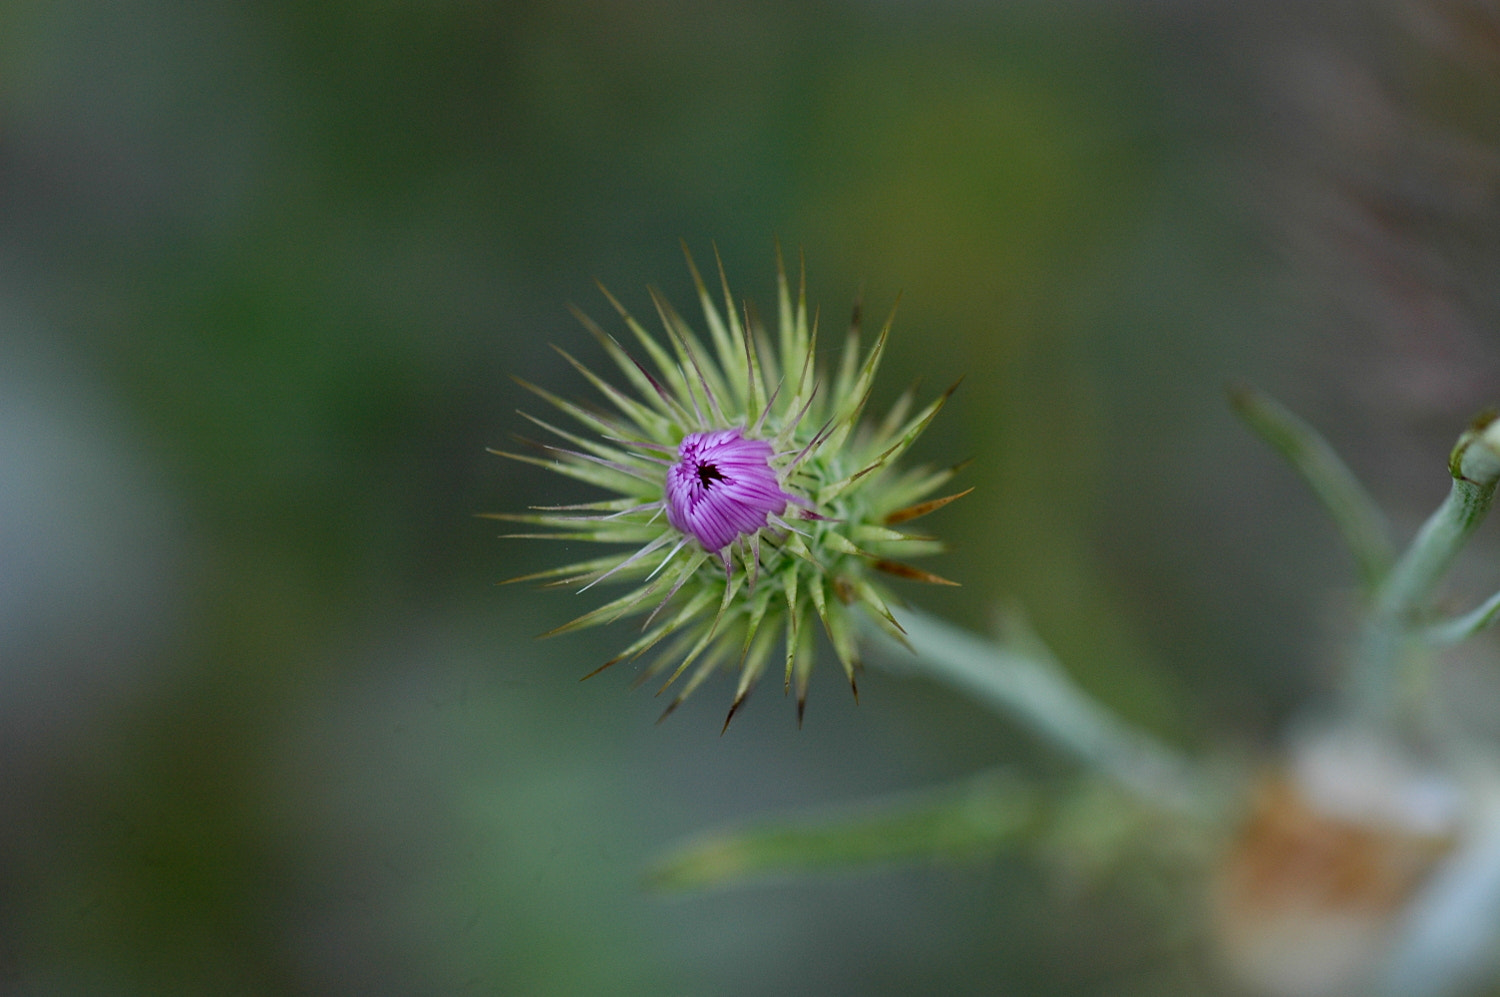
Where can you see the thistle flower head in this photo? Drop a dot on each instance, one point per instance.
(749, 490)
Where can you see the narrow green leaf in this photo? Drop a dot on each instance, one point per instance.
(851, 404)
(600, 448)
(909, 435)
(849, 360)
(1463, 627)
(977, 816)
(652, 423)
(594, 474)
(669, 408)
(729, 346)
(579, 569)
(793, 624)
(790, 349)
(675, 378)
(594, 420)
(870, 533)
(837, 542)
(841, 636)
(703, 377)
(915, 484)
(1356, 515)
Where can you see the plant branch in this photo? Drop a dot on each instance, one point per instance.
(1035, 690)
(1391, 637)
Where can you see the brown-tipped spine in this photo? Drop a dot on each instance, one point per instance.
(735, 708)
(923, 508)
(913, 574)
(601, 668)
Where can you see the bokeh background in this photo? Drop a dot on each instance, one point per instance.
(268, 724)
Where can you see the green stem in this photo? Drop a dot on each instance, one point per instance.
(1392, 639)
(1036, 691)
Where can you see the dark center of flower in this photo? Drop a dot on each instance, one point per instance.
(707, 473)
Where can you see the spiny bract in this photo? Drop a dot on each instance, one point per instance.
(752, 493)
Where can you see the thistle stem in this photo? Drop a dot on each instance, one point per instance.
(1392, 641)
(1034, 689)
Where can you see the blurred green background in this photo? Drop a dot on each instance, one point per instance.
(268, 725)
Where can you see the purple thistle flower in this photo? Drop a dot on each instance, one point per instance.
(723, 487)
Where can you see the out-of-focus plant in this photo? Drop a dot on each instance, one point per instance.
(756, 502)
